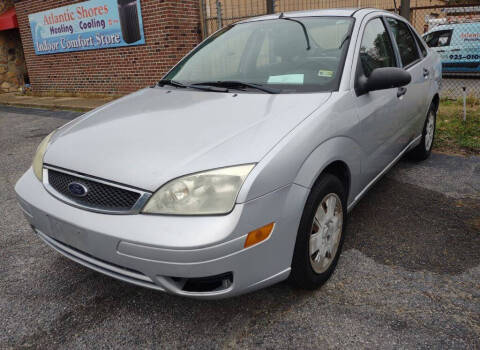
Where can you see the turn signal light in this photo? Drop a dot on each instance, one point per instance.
(258, 235)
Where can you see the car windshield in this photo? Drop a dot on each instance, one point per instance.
(286, 54)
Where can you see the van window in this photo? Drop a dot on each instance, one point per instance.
(439, 38)
(405, 41)
(376, 50)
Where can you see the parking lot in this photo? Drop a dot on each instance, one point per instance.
(408, 277)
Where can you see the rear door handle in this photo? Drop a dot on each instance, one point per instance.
(401, 91)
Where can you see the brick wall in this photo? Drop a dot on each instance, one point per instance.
(171, 30)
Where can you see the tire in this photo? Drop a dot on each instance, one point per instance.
(307, 272)
(424, 148)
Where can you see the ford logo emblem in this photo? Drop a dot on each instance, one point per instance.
(77, 189)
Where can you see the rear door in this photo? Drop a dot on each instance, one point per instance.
(429, 62)
(415, 101)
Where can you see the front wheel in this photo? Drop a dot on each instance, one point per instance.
(320, 234)
(424, 148)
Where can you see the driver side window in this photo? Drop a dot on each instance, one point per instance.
(376, 49)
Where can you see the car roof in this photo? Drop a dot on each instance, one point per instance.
(336, 12)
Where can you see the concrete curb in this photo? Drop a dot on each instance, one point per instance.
(77, 104)
(58, 113)
(48, 106)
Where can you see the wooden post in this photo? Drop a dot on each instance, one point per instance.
(270, 6)
(203, 19)
(219, 15)
(405, 9)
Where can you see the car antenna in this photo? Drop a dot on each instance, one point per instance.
(281, 15)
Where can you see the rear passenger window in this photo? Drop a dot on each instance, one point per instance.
(405, 41)
(420, 43)
(376, 50)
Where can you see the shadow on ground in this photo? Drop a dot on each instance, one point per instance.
(418, 229)
(95, 299)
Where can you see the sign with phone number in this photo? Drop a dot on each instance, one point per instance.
(89, 25)
(464, 57)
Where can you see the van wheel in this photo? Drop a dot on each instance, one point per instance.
(424, 148)
(320, 234)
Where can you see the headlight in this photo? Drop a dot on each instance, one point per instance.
(38, 159)
(206, 193)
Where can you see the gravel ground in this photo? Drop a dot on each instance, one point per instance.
(408, 277)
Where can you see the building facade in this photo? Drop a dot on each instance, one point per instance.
(171, 29)
(159, 34)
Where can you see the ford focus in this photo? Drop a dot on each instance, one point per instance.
(238, 168)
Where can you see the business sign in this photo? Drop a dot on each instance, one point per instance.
(89, 25)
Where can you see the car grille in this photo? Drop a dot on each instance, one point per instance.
(99, 196)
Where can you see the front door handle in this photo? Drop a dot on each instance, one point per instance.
(401, 91)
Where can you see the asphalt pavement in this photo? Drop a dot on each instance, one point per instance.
(408, 277)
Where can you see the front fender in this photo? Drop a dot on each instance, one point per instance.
(340, 148)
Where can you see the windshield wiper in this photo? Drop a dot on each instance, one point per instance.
(233, 84)
(303, 27)
(193, 86)
(172, 83)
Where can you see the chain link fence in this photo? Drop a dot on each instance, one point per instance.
(454, 32)
(450, 27)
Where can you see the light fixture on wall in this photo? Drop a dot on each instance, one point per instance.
(129, 22)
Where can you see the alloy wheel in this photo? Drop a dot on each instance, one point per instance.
(429, 130)
(326, 232)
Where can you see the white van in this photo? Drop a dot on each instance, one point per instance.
(458, 45)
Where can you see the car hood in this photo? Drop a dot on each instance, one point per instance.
(154, 135)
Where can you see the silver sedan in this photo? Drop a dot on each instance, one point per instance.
(238, 168)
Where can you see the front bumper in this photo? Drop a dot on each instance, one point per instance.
(165, 252)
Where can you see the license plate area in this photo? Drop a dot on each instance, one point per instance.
(67, 233)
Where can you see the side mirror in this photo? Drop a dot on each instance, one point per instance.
(382, 78)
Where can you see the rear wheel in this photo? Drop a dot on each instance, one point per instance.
(424, 148)
(320, 234)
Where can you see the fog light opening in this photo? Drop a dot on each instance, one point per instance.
(205, 284)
